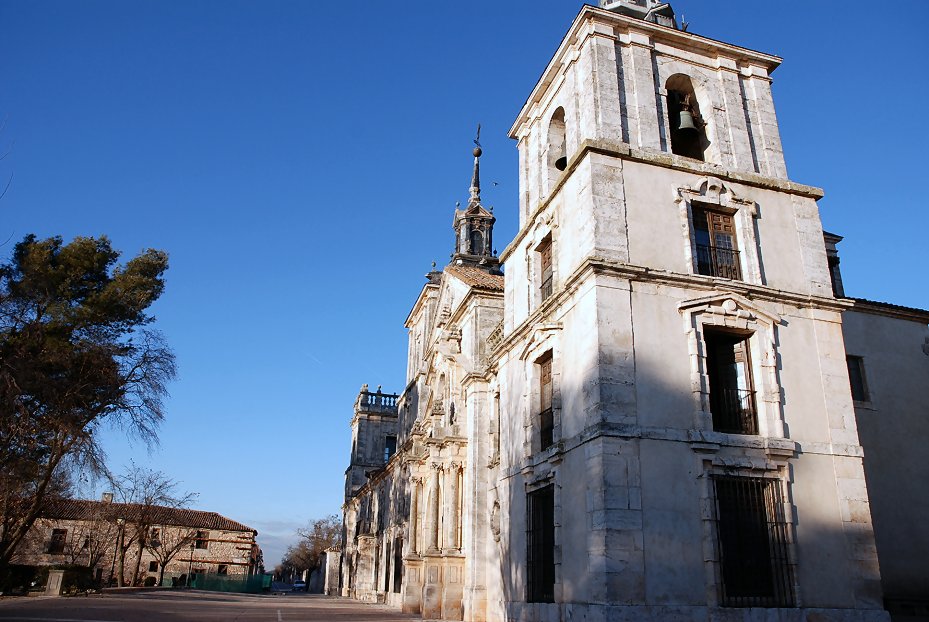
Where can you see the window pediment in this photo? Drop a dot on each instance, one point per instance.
(713, 191)
(729, 304)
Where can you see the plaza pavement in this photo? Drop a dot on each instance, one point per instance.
(194, 606)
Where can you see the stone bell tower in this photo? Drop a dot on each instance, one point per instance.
(474, 226)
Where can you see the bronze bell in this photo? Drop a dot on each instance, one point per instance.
(686, 122)
(561, 163)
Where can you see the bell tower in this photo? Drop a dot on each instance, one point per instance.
(474, 225)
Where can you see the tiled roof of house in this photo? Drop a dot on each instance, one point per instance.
(476, 277)
(888, 306)
(81, 509)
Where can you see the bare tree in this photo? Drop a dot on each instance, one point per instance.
(319, 535)
(165, 543)
(147, 494)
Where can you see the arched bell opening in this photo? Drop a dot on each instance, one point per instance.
(687, 127)
(477, 242)
(557, 146)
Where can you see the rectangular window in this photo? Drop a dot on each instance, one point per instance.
(856, 378)
(541, 545)
(546, 421)
(390, 447)
(222, 569)
(56, 544)
(202, 540)
(153, 566)
(732, 395)
(717, 251)
(752, 533)
(545, 267)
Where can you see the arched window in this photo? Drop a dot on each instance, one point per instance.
(687, 128)
(557, 148)
(477, 242)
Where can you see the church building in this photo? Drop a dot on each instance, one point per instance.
(666, 408)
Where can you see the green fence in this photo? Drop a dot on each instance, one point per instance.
(253, 584)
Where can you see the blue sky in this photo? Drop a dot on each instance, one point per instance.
(300, 162)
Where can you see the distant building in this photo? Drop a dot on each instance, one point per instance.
(88, 533)
(667, 409)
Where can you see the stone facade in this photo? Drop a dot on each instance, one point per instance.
(650, 417)
(87, 533)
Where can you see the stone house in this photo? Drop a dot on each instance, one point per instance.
(88, 533)
(667, 409)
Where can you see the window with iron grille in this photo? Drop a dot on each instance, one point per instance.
(202, 540)
(751, 529)
(56, 544)
(540, 538)
(715, 241)
(545, 267)
(856, 378)
(732, 394)
(546, 420)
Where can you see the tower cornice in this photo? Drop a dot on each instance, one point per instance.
(592, 21)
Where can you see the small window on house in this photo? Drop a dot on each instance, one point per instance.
(714, 238)
(153, 566)
(752, 534)
(545, 267)
(222, 569)
(856, 378)
(390, 447)
(540, 532)
(56, 544)
(202, 540)
(732, 394)
(154, 537)
(546, 421)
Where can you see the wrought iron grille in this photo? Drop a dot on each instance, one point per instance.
(752, 532)
(734, 411)
(540, 540)
(716, 261)
(547, 288)
(547, 428)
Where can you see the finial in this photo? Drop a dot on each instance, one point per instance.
(433, 265)
(476, 178)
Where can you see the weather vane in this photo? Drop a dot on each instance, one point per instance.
(477, 141)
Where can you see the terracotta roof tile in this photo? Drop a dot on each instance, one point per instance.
(80, 509)
(476, 277)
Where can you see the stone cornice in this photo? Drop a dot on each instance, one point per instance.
(698, 282)
(624, 151)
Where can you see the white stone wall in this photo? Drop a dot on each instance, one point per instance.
(893, 427)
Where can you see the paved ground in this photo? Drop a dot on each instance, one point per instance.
(194, 606)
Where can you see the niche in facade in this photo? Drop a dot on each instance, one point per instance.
(687, 128)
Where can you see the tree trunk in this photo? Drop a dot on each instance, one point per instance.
(161, 574)
(121, 568)
(138, 562)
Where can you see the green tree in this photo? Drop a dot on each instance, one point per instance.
(75, 355)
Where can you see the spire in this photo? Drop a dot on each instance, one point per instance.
(476, 177)
(474, 225)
